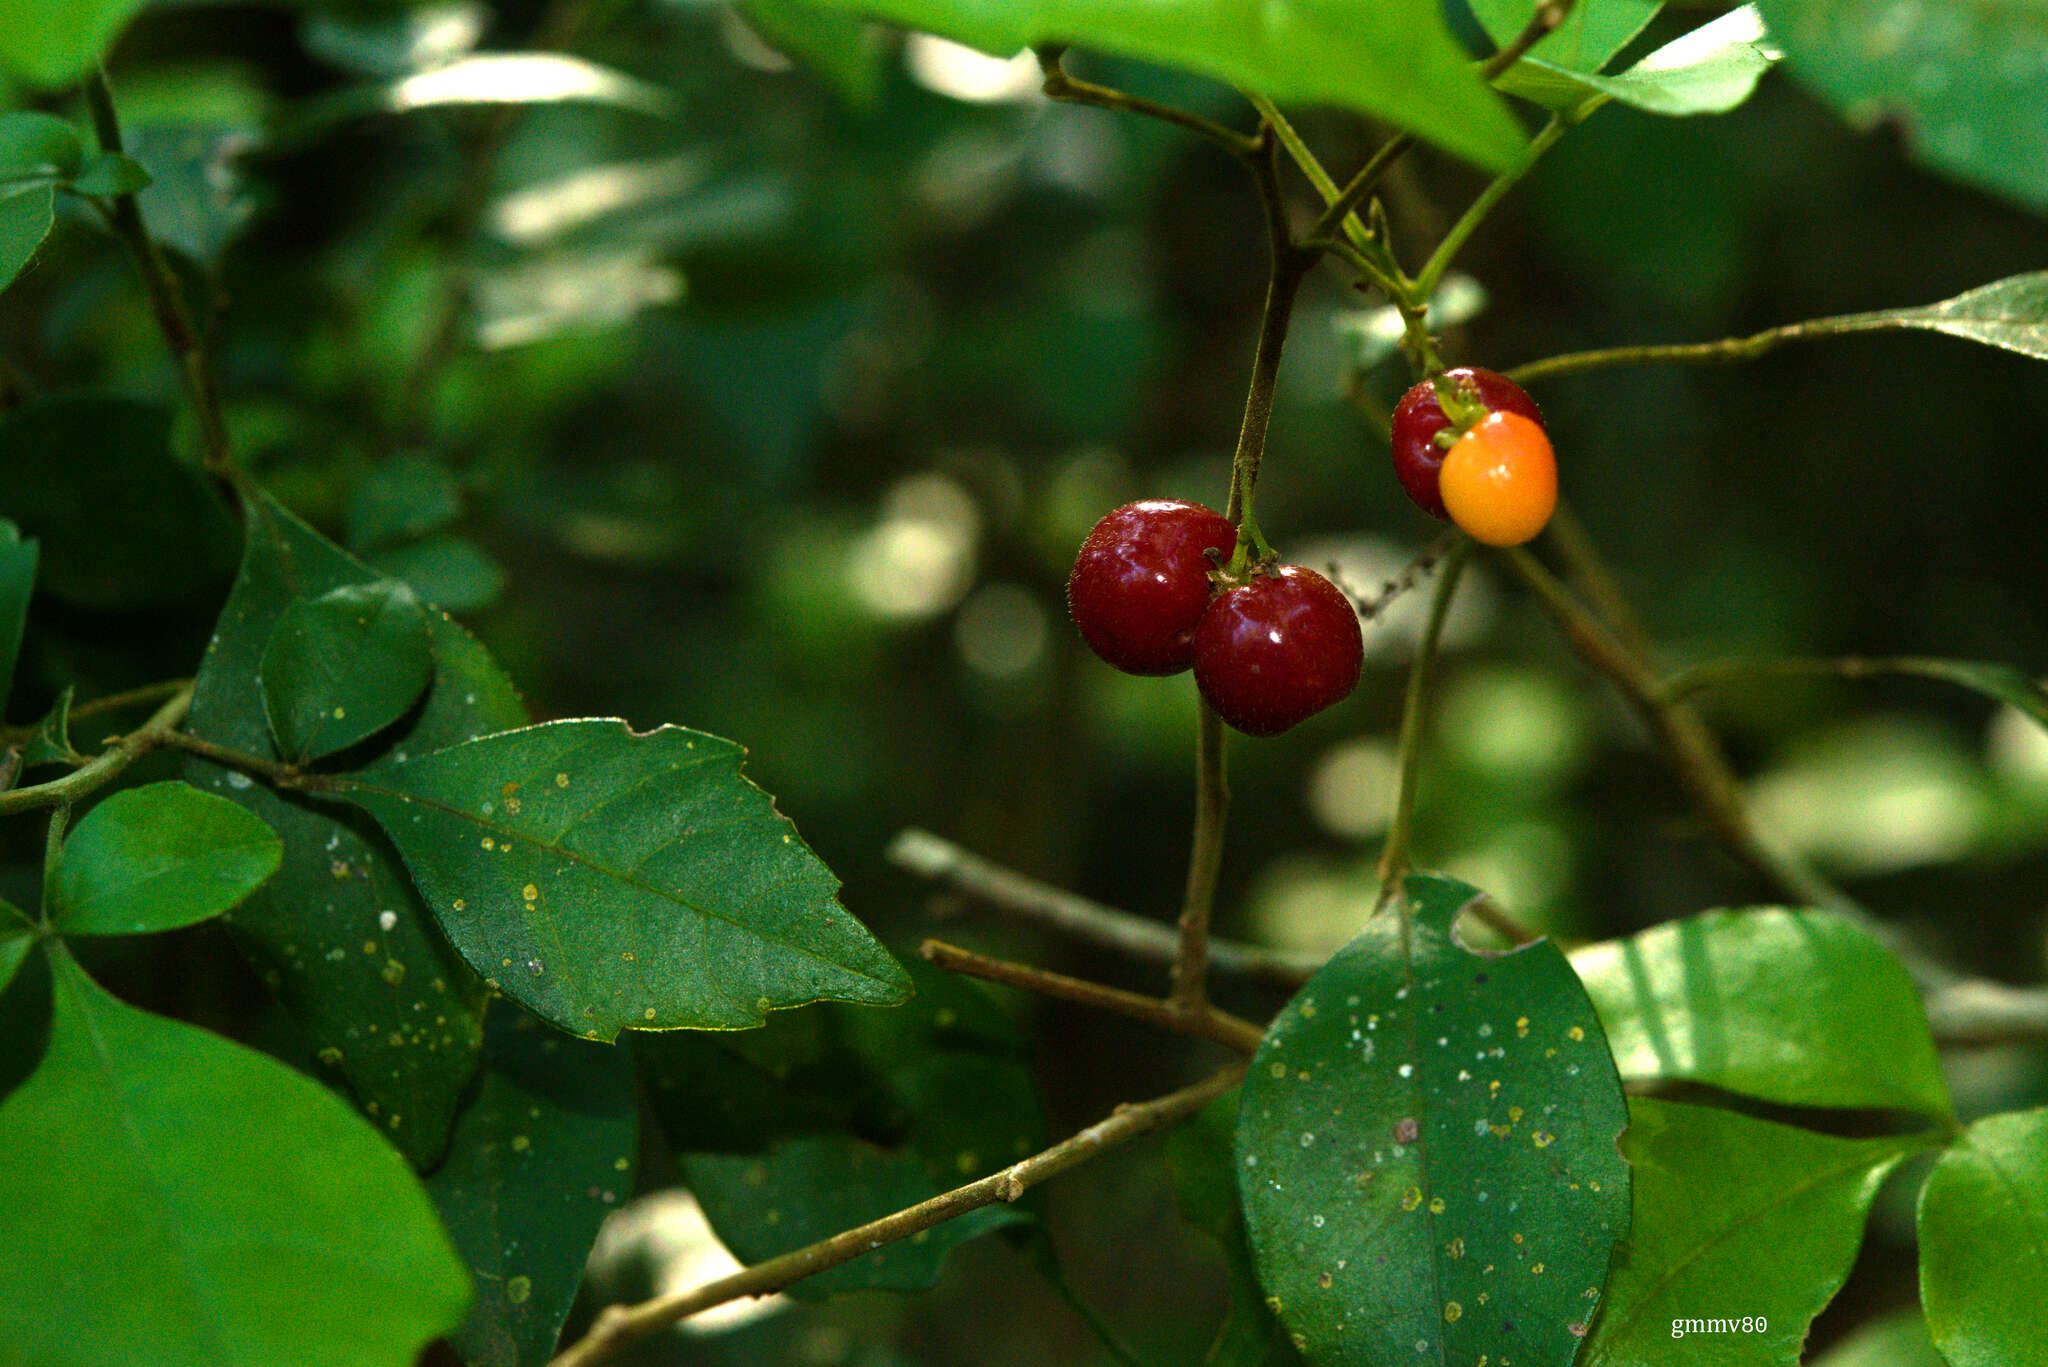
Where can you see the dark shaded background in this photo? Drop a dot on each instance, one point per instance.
(821, 493)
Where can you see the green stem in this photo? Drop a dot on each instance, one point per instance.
(1713, 674)
(1205, 863)
(59, 792)
(1394, 854)
(1283, 285)
(1489, 198)
(1312, 167)
(1593, 577)
(166, 297)
(111, 702)
(1060, 86)
(1728, 349)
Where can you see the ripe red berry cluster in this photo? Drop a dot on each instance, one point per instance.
(1279, 647)
(1498, 478)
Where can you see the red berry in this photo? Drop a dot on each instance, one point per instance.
(1419, 416)
(1280, 648)
(1141, 583)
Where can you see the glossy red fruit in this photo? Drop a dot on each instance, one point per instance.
(1418, 459)
(1141, 582)
(1278, 649)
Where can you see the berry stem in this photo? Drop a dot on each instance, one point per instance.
(1205, 862)
(1060, 86)
(1394, 854)
(1454, 241)
(1283, 285)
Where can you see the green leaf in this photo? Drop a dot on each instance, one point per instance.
(157, 857)
(1592, 31)
(606, 879)
(341, 667)
(541, 1155)
(447, 571)
(1965, 82)
(111, 173)
(1393, 59)
(804, 1190)
(17, 585)
(1710, 70)
(1796, 1007)
(25, 220)
(2011, 314)
(179, 1200)
(1895, 1340)
(843, 50)
(51, 743)
(1426, 1148)
(199, 197)
(1734, 1217)
(17, 937)
(400, 500)
(122, 524)
(488, 78)
(54, 42)
(1201, 1159)
(339, 933)
(1984, 1242)
(38, 147)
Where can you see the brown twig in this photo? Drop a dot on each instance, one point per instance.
(621, 1325)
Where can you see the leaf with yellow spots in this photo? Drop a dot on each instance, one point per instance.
(603, 873)
(1426, 1149)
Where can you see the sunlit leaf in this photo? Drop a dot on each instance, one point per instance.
(1984, 1242)
(1965, 83)
(1739, 1220)
(53, 42)
(339, 933)
(177, 1200)
(1710, 70)
(1394, 59)
(538, 1158)
(341, 667)
(609, 880)
(1592, 31)
(1426, 1148)
(157, 857)
(843, 50)
(1796, 1007)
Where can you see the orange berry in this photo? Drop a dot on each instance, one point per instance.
(1499, 482)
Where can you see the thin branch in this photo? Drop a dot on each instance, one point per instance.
(943, 862)
(1205, 863)
(1210, 1024)
(1726, 350)
(124, 751)
(1592, 576)
(1072, 90)
(1977, 1013)
(1394, 854)
(1702, 677)
(256, 766)
(166, 296)
(111, 702)
(620, 1325)
(1283, 285)
(1476, 213)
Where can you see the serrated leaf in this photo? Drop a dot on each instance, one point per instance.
(1796, 1007)
(157, 857)
(804, 1190)
(1965, 83)
(446, 571)
(1393, 59)
(341, 667)
(1426, 1148)
(51, 743)
(182, 1201)
(1984, 1242)
(26, 217)
(122, 523)
(1734, 1217)
(111, 173)
(608, 880)
(53, 42)
(1592, 31)
(339, 933)
(538, 1158)
(38, 147)
(400, 500)
(1710, 70)
(17, 585)
(843, 50)
(17, 937)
